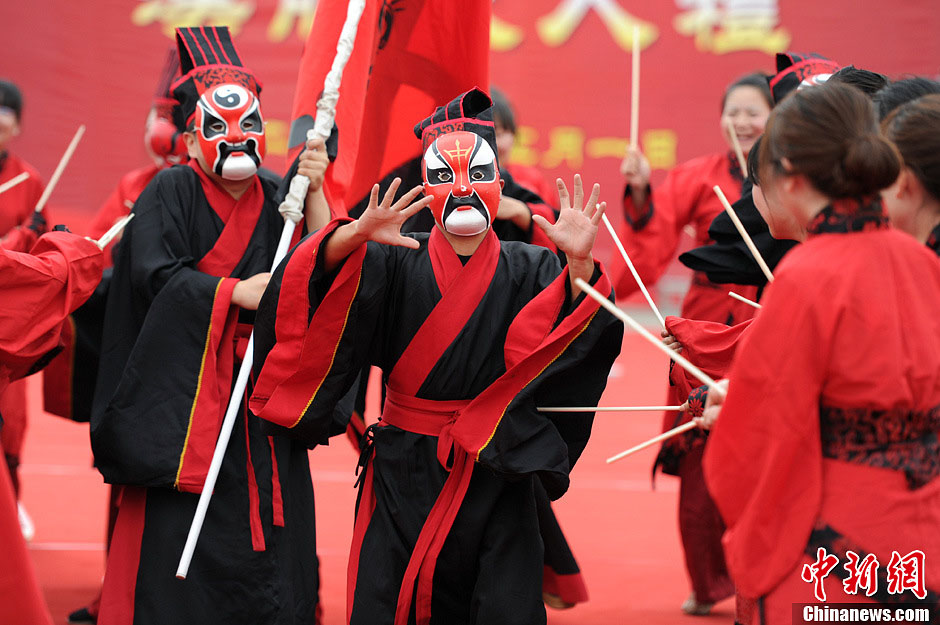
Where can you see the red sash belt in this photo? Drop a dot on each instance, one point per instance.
(431, 418)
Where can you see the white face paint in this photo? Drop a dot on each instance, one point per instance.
(465, 223)
(238, 167)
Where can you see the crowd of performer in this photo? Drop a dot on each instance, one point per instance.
(476, 290)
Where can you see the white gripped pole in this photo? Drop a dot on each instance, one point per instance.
(743, 232)
(636, 276)
(292, 210)
(60, 168)
(12, 182)
(700, 375)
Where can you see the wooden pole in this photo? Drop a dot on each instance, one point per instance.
(15, 180)
(744, 235)
(636, 276)
(685, 427)
(54, 180)
(700, 375)
(635, 89)
(741, 298)
(114, 230)
(607, 408)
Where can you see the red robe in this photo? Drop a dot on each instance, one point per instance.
(39, 291)
(828, 436)
(651, 236)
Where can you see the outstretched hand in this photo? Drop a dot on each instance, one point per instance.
(575, 230)
(382, 221)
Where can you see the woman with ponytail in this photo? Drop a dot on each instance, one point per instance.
(913, 201)
(825, 457)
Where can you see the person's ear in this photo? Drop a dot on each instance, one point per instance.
(192, 146)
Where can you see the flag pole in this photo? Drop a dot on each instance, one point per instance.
(292, 211)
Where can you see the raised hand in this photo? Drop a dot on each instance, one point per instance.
(575, 230)
(635, 168)
(382, 222)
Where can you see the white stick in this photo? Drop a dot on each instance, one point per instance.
(54, 180)
(607, 408)
(742, 162)
(689, 230)
(12, 182)
(632, 269)
(114, 230)
(741, 298)
(685, 427)
(635, 89)
(700, 375)
(292, 210)
(744, 235)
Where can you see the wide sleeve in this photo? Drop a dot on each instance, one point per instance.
(558, 352)
(763, 461)
(40, 290)
(168, 352)
(651, 233)
(314, 333)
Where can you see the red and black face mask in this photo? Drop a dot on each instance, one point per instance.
(230, 131)
(461, 175)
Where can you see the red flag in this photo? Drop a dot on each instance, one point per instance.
(409, 56)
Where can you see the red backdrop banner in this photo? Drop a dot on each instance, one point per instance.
(565, 65)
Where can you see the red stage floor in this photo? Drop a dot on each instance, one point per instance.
(623, 533)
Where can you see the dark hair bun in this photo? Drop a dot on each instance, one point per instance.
(871, 163)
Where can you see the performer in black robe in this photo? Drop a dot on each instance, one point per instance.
(180, 308)
(471, 334)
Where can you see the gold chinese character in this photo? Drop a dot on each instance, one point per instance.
(275, 137)
(289, 13)
(557, 27)
(565, 145)
(173, 14)
(723, 26)
(523, 149)
(607, 147)
(503, 35)
(659, 146)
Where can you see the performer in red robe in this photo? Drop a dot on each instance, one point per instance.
(472, 334)
(655, 219)
(38, 291)
(19, 228)
(187, 279)
(840, 469)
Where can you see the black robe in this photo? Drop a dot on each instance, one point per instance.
(327, 326)
(167, 366)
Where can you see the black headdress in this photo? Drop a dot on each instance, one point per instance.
(207, 58)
